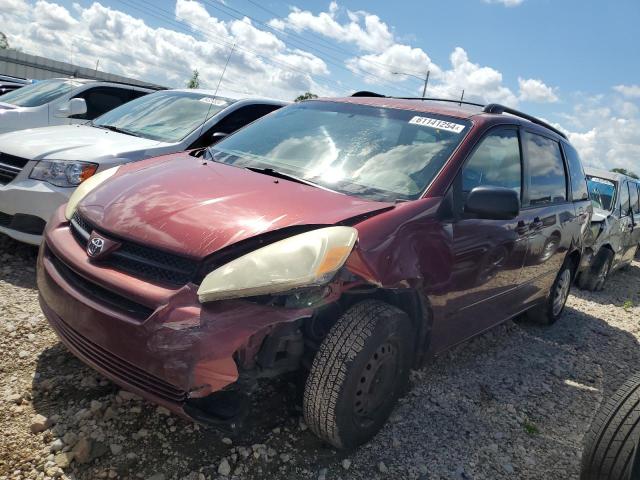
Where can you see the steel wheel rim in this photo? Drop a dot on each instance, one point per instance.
(375, 383)
(602, 275)
(561, 292)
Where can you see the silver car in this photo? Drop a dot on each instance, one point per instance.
(615, 226)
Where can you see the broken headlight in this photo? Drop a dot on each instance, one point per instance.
(305, 260)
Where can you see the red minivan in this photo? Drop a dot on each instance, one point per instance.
(350, 239)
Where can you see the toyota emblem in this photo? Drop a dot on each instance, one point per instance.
(95, 247)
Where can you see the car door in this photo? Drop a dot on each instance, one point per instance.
(550, 219)
(627, 224)
(636, 215)
(487, 255)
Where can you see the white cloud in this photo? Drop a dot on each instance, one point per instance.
(532, 90)
(480, 83)
(261, 65)
(631, 91)
(365, 30)
(606, 132)
(506, 3)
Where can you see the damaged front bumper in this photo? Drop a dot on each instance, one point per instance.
(157, 342)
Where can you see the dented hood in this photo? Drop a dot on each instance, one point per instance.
(182, 204)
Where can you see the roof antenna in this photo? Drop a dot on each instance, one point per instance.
(461, 97)
(216, 91)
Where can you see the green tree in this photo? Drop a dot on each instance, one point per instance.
(194, 81)
(624, 171)
(4, 42)
(306, 96)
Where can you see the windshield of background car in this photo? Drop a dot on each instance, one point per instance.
(39, 93)
(602, 192)
(164, 116)
(376, 153)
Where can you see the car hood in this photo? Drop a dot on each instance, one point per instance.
(75, 142)
(182, 204)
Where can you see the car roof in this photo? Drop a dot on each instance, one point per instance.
(204, 91)
(607, 175)
(149, 86)
(458, 109)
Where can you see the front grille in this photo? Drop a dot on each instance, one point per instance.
(141, 261)
(100, 294)
(117, 368)
(10, 167)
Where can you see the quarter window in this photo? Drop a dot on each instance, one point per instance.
(547, 181)
(576, 173)
(633, 190)
(625, 199)
(495, 163)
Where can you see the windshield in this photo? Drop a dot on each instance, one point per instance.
(376, 153)
(39, 93)
(602, 192)
(164, 116)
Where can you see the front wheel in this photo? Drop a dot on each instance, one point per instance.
(360, 370)
(550, 311)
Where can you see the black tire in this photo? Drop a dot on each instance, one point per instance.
(547, 313)
(371, 345)
(595, 278)
(611, 444)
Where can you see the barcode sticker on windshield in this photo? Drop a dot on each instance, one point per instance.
(213, 101)
(438, 124)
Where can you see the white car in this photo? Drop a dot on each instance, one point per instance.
(63, 101)
(40, 168)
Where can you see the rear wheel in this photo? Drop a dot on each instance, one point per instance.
(595, 278)
(359, 372)
(611, 444)
(550, 311)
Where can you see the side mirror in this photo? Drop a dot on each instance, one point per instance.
(493, 203)
(75, 106)
(217, 136)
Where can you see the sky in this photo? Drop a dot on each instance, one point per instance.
(573, 63)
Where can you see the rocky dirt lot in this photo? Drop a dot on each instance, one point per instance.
(514, 403)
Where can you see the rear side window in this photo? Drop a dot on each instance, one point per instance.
(547, 181)
(625, 199)
(636, 206)
(242, 116)
(102, 99)
(495, 163)
(576, 174)
(633, 193)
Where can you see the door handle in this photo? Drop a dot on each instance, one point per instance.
(521, 228)
(536, 225)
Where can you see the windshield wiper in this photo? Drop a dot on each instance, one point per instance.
(115, 129)
(275, 173)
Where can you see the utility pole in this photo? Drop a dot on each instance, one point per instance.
(426, 80)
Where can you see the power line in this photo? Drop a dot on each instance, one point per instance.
(308, 44)
(331, 46)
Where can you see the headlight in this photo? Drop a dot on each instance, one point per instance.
(84, 188)
(62, 173)
(308, 259)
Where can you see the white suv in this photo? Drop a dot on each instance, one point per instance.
(63, 101)
(40, 168)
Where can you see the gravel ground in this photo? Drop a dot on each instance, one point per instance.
(513, 403)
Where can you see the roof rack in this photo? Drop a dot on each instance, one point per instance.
(499, 109)
(365, 93)
(490, 108)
